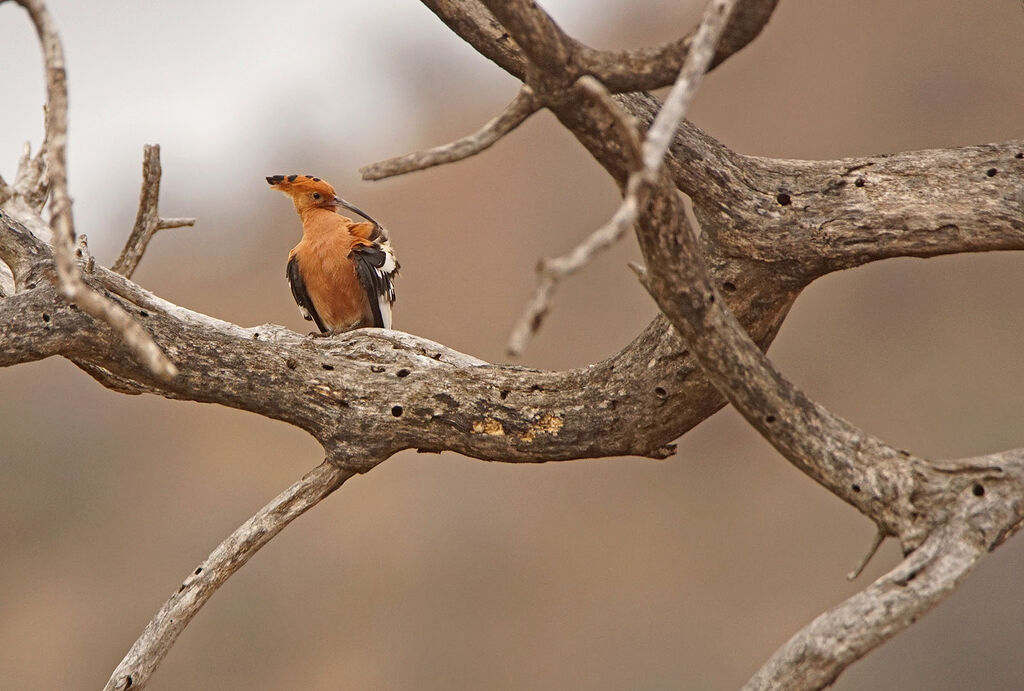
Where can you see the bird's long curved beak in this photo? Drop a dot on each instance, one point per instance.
(355, 209)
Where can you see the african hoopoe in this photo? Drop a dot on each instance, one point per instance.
(341, 272)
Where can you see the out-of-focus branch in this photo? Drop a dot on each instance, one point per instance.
(475, 24)
(61, 219)
(548, 46)
(515, 113)
(147, 220)
(160, 634)
(647, 162)
(643, 69)
(539, 37)
(551, 271)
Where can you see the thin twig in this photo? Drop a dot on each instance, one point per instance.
(516, 112)
(876, 542)
(651, 156)
(72, 287)
(147, 220)
(160, 634)
(552, 270)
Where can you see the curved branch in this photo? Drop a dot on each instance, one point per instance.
(986, 512)
(412, 392)
(515, 113)
(816, 656)
(644, 69)
(548, 46)
(160, 634)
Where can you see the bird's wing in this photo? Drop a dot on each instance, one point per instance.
(300, 294)
(376, 268)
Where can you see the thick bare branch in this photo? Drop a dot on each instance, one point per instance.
(514, 114)
(642, 69)
(160, 634)
(475, 23)
(825, 216)
(147, 220)
(621, 71)
(537, 34)
(419, 394)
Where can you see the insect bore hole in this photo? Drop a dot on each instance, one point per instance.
(396, 410)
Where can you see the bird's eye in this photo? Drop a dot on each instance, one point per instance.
(316, 195)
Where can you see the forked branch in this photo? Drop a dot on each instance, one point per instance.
(147, 220)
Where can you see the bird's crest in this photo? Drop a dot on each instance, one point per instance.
(299, 184)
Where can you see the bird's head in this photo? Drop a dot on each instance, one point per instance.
(305, 191)
(308, 192)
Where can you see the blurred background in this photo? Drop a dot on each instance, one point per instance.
(439, 572)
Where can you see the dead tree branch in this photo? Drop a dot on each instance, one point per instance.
(160, 634)
(648, 161)
(515, 113)
(73, 288)
(770, 227)
(147, 220)
(931, 507)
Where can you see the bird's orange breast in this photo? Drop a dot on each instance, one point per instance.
(324, 258)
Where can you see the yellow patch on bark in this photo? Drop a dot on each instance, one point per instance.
(549, 424)
(488, 426)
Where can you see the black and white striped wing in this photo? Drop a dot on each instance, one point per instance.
(376, 267)
(302, 298)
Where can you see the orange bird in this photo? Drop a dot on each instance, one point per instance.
(341, 272)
